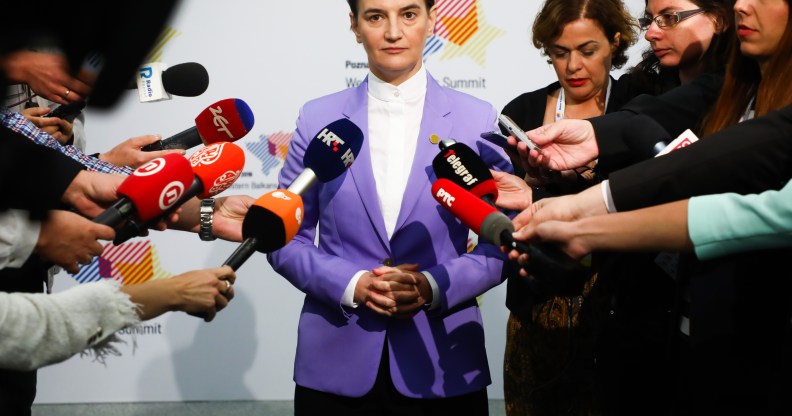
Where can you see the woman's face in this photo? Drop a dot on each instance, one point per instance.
(680, 46)
(393, 33)
(760, 25)
(581, 58)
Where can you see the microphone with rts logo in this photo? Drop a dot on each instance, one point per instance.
(269, 224)
(227, 120)
(149, 191)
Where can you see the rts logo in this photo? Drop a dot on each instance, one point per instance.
(446, 197)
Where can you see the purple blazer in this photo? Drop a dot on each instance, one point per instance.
(439, 353)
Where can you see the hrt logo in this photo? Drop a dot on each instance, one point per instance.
(333, 141)
(219, 121)
(446, 197)
(170, 194)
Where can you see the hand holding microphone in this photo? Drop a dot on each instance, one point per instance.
(149, 191)
(226, 120)
(216, 167)
(268, 224)
(551, 271)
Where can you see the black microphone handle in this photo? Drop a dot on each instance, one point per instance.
(242, 253)
(116, 214)
(554, 272)
(134, 228)
(186, 139)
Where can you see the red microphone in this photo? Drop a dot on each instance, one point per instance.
(226, 120)
(216, 167)
(458, 163)
(270, 223)
(552, 271)
(150, 190)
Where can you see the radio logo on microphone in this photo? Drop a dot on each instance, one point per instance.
(170, 194)
(219, 121)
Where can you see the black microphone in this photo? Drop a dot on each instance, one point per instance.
(188, 79)
(460, 164)
(226, 120)
(645, 137)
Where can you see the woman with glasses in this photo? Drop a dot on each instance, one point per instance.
(687, 38)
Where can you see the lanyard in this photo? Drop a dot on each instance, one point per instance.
(561, 104)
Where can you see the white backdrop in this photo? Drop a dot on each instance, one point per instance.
(274, 58)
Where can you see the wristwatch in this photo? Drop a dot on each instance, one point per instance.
(207, 213)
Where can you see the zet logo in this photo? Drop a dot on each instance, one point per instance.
(129, 263)
(270, 150)
(461, 31)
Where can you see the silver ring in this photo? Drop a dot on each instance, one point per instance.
(228, 287)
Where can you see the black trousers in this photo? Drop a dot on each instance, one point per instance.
(384, 399)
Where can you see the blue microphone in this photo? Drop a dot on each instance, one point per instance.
(329, 154)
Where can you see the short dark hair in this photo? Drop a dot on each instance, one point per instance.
(353, 6)
(611, 15)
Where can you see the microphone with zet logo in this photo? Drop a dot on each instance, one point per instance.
(458, 163)
(227, 120)
(216, 167)
(149, 191)
(329, 154)
(270, 223)
(551, 272)
(156, 81)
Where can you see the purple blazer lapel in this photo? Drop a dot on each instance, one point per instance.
(361, 171)
(434, 121)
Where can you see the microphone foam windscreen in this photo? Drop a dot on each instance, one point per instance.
(468, 208)
(273, 220)
(333, 149)
(227, 120)
(218, 165)
(188, 79)
(461, 165)
(157, 185)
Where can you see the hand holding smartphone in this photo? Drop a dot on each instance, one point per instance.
(507, 123)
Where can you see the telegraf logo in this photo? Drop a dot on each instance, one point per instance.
(459, 168)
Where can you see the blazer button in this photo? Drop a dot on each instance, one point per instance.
(388, 262)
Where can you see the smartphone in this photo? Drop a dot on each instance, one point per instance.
(507, 123)
(67, 111)
(496, 138)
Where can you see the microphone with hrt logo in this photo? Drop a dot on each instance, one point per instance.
(227, 120)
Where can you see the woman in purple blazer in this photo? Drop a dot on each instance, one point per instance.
(390, 317)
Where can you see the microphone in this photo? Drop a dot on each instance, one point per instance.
(329, 154)
(645, 137)
(227, 120)
(215, 168)
(149, 190)
(552, 271)
(460, 164)
(270, 223)
(156, 81)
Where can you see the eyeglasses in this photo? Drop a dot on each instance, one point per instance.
(667, 20)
